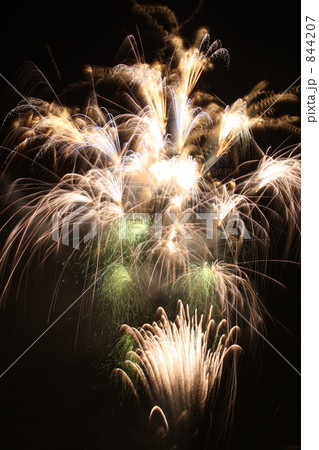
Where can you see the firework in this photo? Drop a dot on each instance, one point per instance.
(110, 179)
(140, 196)
(179, 366)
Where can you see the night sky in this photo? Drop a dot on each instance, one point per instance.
(55, 396)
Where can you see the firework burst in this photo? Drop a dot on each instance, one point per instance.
(139, 194)
(179, 366)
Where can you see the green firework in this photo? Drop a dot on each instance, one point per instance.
(197, 287)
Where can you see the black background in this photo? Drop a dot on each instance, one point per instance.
(53, 397)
